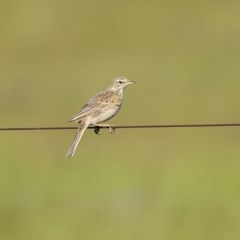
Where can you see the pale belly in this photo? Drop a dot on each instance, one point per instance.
(105, 116)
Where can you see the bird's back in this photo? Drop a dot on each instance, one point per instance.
(101, 102)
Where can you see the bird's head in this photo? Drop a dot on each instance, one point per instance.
(121, 83)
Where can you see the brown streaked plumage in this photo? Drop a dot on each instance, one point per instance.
(101, 107)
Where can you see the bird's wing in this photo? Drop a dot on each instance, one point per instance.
(93, 104)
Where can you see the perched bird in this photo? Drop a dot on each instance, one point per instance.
(101, 107)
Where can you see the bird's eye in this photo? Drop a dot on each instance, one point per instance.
(120, 82)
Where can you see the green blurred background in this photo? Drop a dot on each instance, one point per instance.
(137, 183)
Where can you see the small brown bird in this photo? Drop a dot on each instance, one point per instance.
(101, 107)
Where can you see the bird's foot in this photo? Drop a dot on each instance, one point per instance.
(98, 127)
(111, 129)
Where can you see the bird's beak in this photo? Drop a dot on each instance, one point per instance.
(130, 82)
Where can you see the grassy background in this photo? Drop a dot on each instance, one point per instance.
(135, 184)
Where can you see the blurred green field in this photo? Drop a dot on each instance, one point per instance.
(138, 183)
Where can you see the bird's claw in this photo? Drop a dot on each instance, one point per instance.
(112, 129)
(97, 130)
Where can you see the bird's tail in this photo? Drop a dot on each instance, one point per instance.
(76, 140)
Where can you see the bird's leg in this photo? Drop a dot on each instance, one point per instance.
(111, 129)
(97, 129)
(98, 126)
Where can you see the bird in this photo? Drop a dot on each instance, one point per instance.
(100, 108)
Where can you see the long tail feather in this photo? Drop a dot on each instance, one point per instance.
(76, 140)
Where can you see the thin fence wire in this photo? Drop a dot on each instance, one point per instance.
(204, 125)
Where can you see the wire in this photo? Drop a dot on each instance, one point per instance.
(127, 126)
